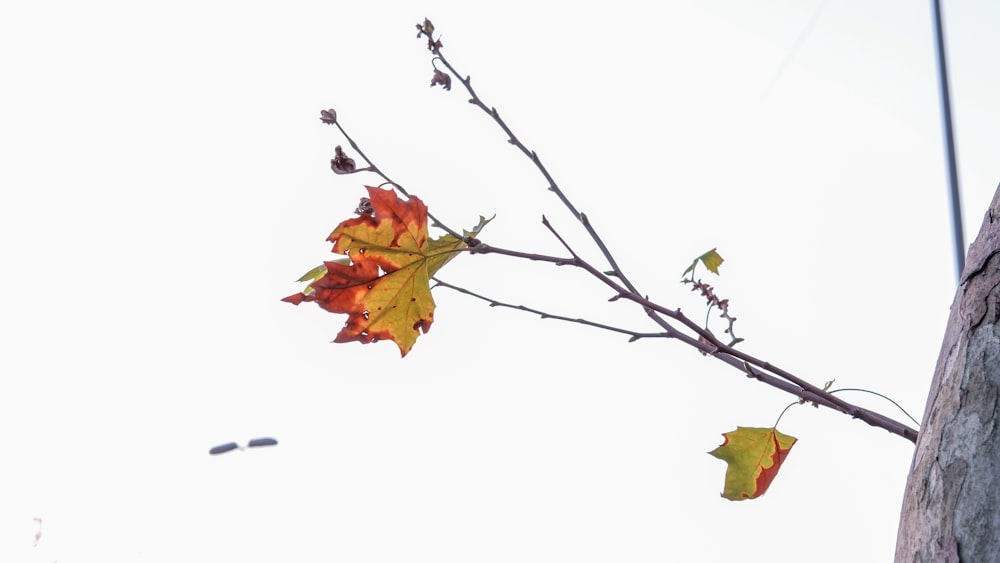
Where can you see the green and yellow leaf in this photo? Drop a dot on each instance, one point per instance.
(711, 259)
(754, 456)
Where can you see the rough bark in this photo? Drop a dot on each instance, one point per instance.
(951, 509)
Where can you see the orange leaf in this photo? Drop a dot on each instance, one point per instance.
(754, 456)
(385, 288)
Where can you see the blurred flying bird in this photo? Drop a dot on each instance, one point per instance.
(230, 446)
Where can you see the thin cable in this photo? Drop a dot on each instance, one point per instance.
(949, 143)
(799, 41)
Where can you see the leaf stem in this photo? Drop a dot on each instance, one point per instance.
(783, 411)
(879, 395)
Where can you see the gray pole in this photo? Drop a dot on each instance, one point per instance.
(949, 142)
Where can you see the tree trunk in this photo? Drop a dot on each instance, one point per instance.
(951, 510)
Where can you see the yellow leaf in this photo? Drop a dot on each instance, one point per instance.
(711, 259)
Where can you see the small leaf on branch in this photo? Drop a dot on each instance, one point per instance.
(384, 287)
(754, 456)
(315, 273)
(427, 28)
(710, 259)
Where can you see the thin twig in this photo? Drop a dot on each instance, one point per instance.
(633, 335)
(533, 156)
(373, 168)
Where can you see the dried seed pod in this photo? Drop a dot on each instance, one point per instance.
(441, 78)
(341, 163)
(328, 116)
(365, 207)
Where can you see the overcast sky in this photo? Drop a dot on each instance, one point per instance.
(166, 179)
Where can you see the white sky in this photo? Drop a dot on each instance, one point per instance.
(166, 178)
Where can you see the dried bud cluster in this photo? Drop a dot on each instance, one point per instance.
(328, 116)
(365, 207)
(427, 28)
(708, 292)
(341, 163)
(441, 78)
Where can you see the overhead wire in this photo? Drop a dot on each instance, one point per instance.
(947, 127)
(797, 45)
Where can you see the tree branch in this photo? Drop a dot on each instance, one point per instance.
(701, 338)
(707, 343)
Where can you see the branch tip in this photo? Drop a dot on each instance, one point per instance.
(328, 116)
